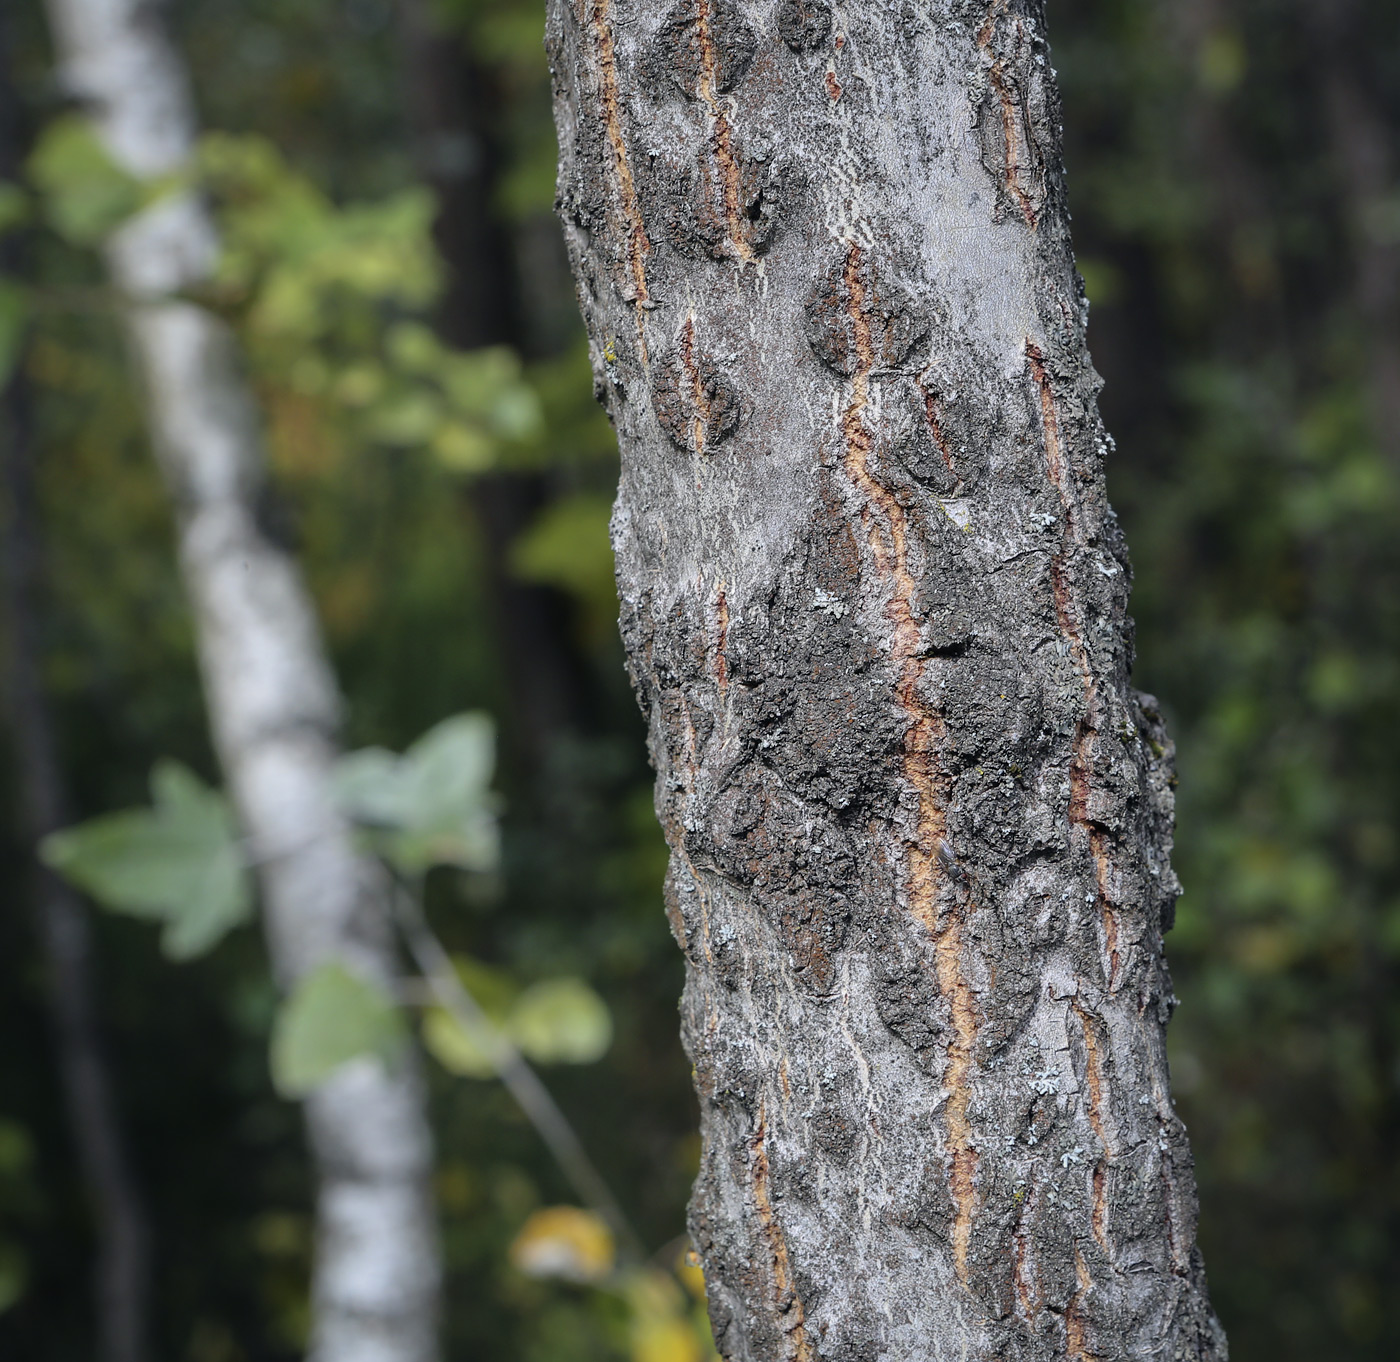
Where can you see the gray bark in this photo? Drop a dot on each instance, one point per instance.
(875, 604)
(272, 698)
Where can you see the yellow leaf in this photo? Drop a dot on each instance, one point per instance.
(459, 1051)
(564, 1241)
(665, 1340)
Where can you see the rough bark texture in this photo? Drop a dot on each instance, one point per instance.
(272, 699)
(875, 603)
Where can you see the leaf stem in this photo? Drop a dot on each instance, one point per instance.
(520, 1080)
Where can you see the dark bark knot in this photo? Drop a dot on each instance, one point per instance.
(837, 321)
(724, 209)
(704, 47)
(804, 24)
(695, 401)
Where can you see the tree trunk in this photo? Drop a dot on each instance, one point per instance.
(272, 698)
(122, 1277)
(1364, 162)
(875, 603)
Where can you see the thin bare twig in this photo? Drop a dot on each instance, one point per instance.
(520, 1080)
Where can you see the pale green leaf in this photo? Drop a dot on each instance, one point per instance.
(333, 1016)
(433, 805)
(561, 1021)
(466, 1050)
(470, 1052)
(366, 787)
(86, 194)
(178, 863)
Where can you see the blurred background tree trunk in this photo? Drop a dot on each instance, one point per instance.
(875, 605)
(454, 106)
(122, 1285)
(272, 699)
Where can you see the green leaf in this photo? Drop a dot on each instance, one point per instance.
(179, 863)
(466, 1050)
(86, 194)
(14, 1275)
(14, 317)
(333, 1016)
(561, 1021)
(433, 805)
(568, 547)
(14, 206)
(469, 1052)
(16, 1149)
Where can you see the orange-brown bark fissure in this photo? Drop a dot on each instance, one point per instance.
(638, 243)
(888, 526)
(729, 171)
(787, 1303)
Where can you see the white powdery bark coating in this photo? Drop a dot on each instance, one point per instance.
(875, 604)
(273, 701)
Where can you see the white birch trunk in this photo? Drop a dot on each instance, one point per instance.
(272, 698)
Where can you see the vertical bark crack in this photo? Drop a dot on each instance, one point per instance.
(1019, 158)
(935, 423)
(638, 244)
(1094, 1075)
(722, 639)
(1076, 1326)
(730, 175)
(1081, 762)
(889, 544)
(791, 1317)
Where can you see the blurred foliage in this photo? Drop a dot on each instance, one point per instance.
(1260, 496)
(178, 863)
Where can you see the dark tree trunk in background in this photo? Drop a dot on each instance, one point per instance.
(875, 604)
(454, 114)
(1364, 160)
(65, 936)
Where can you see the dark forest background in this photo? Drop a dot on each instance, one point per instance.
(1235, 178)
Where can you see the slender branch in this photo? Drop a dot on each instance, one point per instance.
(520, 1080)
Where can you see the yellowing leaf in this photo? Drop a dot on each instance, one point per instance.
(471, 1054)
(565, 1242)
(661, 1327)
(690, 1273)
(462, 448)
(561, 1021)
(665, 1340)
